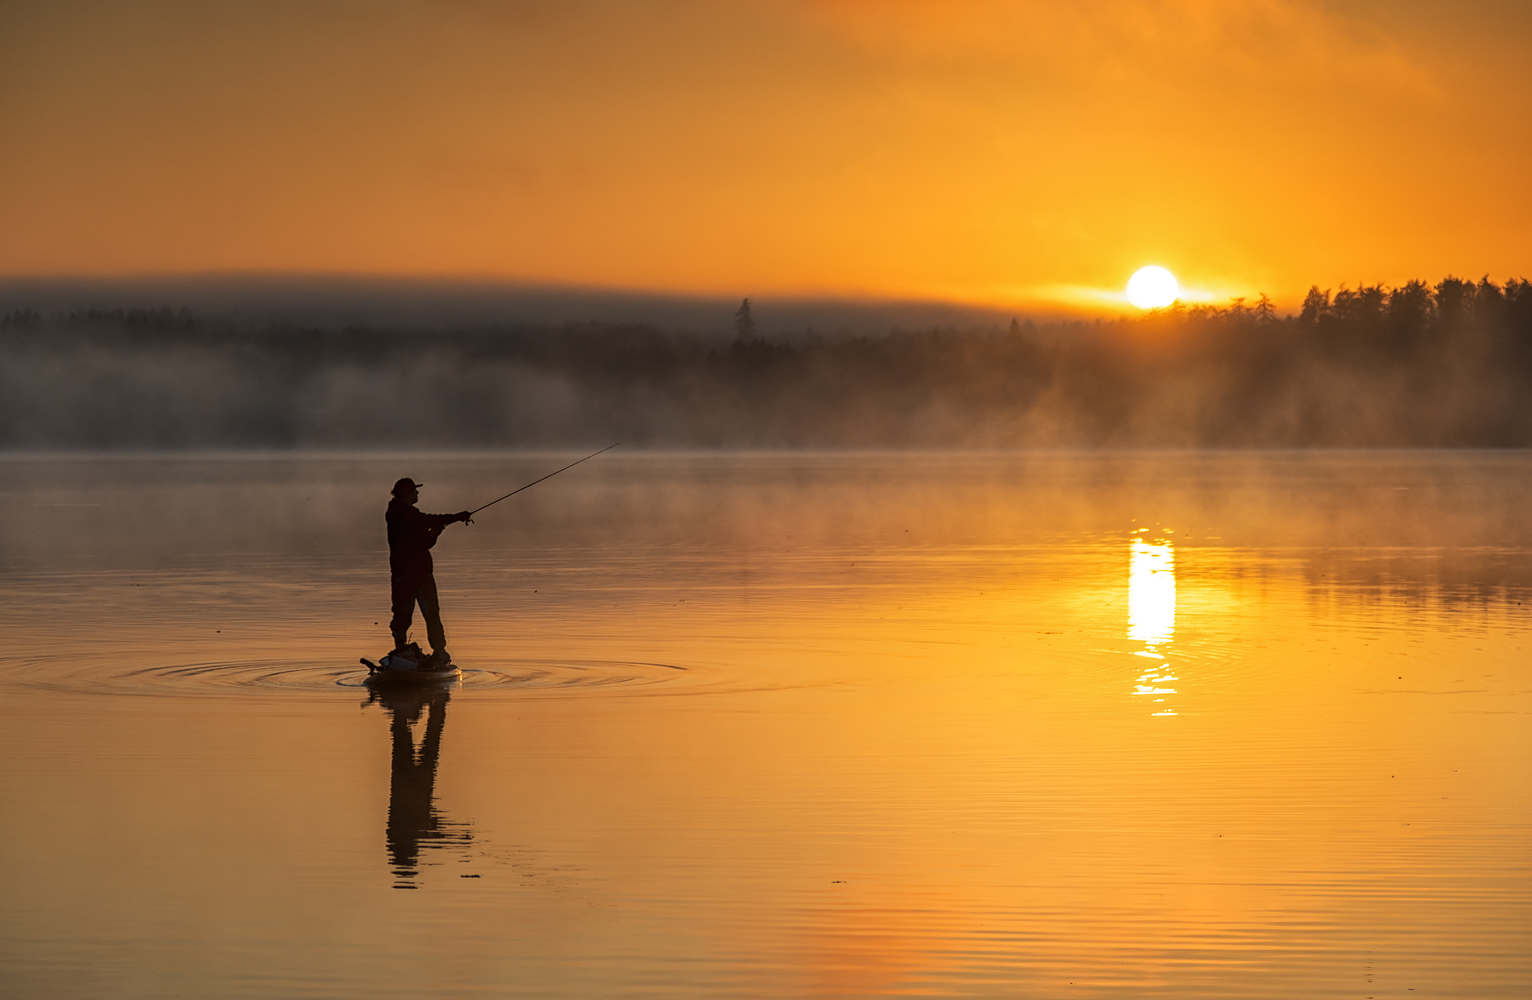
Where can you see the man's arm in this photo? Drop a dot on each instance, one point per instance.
(435, 524)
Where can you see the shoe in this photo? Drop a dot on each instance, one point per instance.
(439, 659)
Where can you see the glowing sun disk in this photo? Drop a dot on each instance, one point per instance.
(1153, 288)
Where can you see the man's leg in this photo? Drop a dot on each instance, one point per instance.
(430, 610)
(402, 591)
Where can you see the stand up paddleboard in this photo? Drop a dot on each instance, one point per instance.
(409, 666)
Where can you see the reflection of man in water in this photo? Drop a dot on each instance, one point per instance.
(412, 818)
(410, 537)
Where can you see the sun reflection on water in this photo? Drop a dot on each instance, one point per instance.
(1152, 616)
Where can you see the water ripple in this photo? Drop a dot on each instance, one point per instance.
(223, 679)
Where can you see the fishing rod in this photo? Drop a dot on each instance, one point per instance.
(550, 475)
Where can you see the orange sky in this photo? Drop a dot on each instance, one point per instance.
(1015, 153)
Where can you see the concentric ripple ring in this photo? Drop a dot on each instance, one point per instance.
(232, 678)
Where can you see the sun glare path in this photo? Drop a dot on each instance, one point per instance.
(1153, 288)
(1152, 616)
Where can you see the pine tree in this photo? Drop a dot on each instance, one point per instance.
(744, 323)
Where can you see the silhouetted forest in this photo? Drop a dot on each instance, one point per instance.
(1417, 365)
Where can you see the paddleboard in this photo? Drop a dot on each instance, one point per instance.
(408, 668)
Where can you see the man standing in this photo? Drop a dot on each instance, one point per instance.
(410, 537)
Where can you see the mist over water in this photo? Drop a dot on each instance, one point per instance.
(1435, 366)
(1113, 724)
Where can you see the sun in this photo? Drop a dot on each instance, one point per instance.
(1152, 288)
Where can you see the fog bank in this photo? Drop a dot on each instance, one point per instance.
(337, 302)
(1438, 365)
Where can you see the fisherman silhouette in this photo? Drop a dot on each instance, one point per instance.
(410, 537)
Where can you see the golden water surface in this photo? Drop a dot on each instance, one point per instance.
(1046, 725)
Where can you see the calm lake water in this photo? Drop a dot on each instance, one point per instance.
(1044, 725)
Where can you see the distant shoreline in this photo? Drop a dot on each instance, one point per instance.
(1420, 366)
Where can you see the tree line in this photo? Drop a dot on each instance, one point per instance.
(1435, 365)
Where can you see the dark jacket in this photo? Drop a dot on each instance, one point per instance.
(410, 537)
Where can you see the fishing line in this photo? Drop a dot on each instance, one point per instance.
(550, 475)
